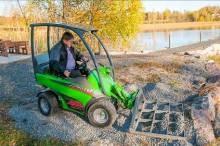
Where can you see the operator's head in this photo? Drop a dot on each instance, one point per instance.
(67, 39)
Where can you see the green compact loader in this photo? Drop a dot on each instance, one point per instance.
(95, 96)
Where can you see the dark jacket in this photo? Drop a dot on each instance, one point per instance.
(58, 57)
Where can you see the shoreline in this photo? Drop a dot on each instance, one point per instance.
(191, 47)
(177, 26)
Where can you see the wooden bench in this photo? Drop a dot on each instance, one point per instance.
(21, 47)
(3, 50)
(18, 47)
(9, 45)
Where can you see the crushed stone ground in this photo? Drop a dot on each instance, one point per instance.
(18, 86)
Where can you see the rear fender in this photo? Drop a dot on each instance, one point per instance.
(49, 91)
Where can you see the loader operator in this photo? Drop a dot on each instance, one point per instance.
(64, 57)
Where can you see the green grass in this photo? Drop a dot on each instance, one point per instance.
(10, 136)
(216, 58)
(152, 78)
(172, 67)
(215, 143)
(174, 83)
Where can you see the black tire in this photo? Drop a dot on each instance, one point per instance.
(107, 108)
(50, 100)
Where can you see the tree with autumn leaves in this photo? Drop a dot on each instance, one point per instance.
(118, 21)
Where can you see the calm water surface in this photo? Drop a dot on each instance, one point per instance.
(153, 41)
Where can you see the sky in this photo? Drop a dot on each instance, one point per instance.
(180, 5)
(149, 5)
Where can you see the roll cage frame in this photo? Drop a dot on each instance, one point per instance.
(79, 30)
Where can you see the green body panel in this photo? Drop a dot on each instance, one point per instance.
(63, 87)
(107, 80)
(67, 89)
(111, 88)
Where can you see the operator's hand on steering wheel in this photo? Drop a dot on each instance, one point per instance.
(66, 73)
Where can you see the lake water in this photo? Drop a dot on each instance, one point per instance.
(153, 41)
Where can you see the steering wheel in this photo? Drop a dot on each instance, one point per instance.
(82, 66)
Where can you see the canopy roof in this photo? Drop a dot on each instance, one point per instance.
(63, 25)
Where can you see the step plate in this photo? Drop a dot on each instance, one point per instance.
(157, 119)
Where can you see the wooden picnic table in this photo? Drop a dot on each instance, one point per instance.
(17, 47)
(21, 47)
(9, 46)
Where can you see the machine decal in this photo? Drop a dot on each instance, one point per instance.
(87, 91)
(75, 104)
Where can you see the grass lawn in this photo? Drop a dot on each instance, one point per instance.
(10, 136)
(215, 143)
(216, 58)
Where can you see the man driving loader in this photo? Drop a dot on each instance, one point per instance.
(64, 57)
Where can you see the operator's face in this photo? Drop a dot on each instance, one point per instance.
(68, 43)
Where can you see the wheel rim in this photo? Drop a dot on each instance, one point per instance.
(45, 107)
(100, 115)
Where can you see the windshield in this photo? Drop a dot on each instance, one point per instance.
(96, 45)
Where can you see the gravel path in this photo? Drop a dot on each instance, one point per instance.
(63, 125)
(17, 81)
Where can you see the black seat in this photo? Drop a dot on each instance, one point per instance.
(44, 68)
(42, 63)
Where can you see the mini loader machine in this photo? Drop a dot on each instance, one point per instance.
(96, 95)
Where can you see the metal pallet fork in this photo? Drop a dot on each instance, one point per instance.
(158, 119)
